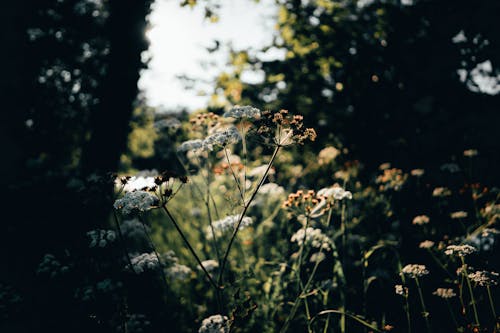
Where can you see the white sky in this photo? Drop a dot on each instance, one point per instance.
(178, 39)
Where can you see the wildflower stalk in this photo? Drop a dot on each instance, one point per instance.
(354, 317)
(302, 294)
(190, 247)
(340, 271)
(245, 208)
(425, 313)
(342, 296)
(473, 300)
(122, 241)
(490, 298)
(301, 251)
(234, 177)
(406, 296)
(153, 247)
(209, 214)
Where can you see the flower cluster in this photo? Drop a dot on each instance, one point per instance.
(221, 138)
(137, 201)
(144, 261)
(240, 112)
(283, 129)
(217, 139)
(427, 244)
(484, 278)
(444, 293)
(327, 155)
(210, 265)
(417, 172)
(391, 179)
(314, 237)
(228, 223)
(51, 266)
(420, 220)
(441, 192)
(335, 192)
(215, 324)
(311, 203)
(414, 271)
(458, 215)
(101, 237)
(133, 228)
(141, 181)
(470, 152)
(401, 290)
(178, 272)
(203, 121)
(459, 250)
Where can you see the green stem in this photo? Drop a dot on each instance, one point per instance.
(245, 208)
(354, 317)
(425, 313)
(191, 248)
(452, 314)
(473, 300)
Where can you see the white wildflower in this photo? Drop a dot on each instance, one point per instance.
(228, 223)
(417, 172)
(441, 192)
(259, 171)
(427, 244)
(51, 266)
(444, 293)
(239, 112)
(459, 250)
(414, 271)
(271, 189)
(222, 138)
(314, 237)
(215, 324)
(470, 152)
(484, 278)
(135, 201)
(191, 146)
(210, 265)
(336, 192)
(178, 272)
(421, 220)
(144, 261)
(101, 237)
(133, 228)
(401, 290)
(459, 215)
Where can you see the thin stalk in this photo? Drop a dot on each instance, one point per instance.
(342, 294)
(473, 300)
(190, 248)
(425, 313)
(122, 241)
(354, 317)
(301, 252)
(408, 314)
(297, 300)
(234, 177)
(153, 247)
(245, 208)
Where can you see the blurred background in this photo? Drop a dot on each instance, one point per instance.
(410, 82)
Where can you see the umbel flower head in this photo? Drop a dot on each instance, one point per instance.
(401, 290)
(314, 237)
(239, 112)
(228, 224)
(137, 201)
(283, 128)
(414, 271)
(459, 250)
(444, 293)
(215, 324)
(484, 278)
